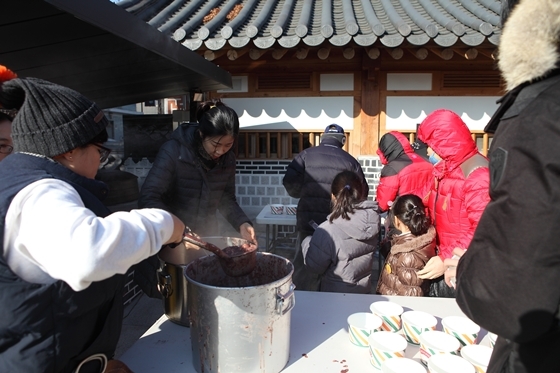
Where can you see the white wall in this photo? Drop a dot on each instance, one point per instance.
(315, 113)
(301, 113)
(404, 112)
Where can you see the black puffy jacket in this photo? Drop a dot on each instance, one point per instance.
(309, 177)
(178, 183)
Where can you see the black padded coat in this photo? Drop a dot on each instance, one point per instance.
(310, 175)
(178, 182)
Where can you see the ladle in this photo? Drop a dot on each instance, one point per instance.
(234, 266)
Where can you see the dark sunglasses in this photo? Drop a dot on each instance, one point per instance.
(103, 152)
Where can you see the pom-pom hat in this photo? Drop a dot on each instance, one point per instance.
(5, 75)
(51, 119)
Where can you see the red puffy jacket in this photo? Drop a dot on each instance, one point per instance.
(461, 190)
(404, 171)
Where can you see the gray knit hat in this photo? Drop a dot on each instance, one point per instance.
(51, 119)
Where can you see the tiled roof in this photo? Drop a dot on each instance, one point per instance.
(217, 24)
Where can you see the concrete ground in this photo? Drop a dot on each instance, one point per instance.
(143, 312)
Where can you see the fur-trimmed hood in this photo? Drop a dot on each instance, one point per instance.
(529, 45)
(407, 242)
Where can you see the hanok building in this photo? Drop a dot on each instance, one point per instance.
(370, 66)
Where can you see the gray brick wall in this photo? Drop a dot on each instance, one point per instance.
(259, 182)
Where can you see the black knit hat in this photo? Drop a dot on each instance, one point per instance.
(51, 119)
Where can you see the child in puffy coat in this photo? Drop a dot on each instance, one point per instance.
(341, 248)
(410, 250)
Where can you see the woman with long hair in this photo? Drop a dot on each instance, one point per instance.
(193, 175)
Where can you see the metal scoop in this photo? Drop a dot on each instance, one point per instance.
(241, 263)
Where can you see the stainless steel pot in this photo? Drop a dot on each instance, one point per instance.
(171, 280)
(240, 324)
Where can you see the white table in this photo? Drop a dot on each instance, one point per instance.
(266, 217)
(318, 335)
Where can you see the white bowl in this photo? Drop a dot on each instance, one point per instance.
(385, 345)
(492, 337)
(402, 365)
(443, 363)
(361, 325)
(435, 342)
(415, 323)
(477, 355)
(390, 313)
(462, 328)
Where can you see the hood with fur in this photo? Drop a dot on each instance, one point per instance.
(530, 41)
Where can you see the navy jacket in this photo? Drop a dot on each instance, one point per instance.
(51, 328)
(310, 175)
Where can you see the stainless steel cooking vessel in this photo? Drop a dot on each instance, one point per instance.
(171, 280)
(240, 324)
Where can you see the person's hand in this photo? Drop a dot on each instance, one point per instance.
(433, 269)
(451, 266)
(178, 231)
(248, 233)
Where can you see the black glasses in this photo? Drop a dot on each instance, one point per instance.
(103, 152)
(6, 149)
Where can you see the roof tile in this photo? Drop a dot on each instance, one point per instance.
(286, 23)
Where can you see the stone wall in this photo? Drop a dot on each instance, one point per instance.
(259, 182)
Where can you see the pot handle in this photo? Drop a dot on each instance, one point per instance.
(164, 284)
(281, 298)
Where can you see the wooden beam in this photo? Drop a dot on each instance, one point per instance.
(323, 53)
(268, 145)
(348, 53)
(278, 145)
(397, 53)
(234, 54)
(255, 54)
(467, 53)
(301, 53)
(420, 53)
(445, 54)
(212, 55)
(367, 133)
(373, 53)
(279, 53)
(491, 53)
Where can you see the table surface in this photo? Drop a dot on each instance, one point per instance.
(266, 217)
(318, 335)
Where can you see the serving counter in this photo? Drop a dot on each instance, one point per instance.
(318, 337)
